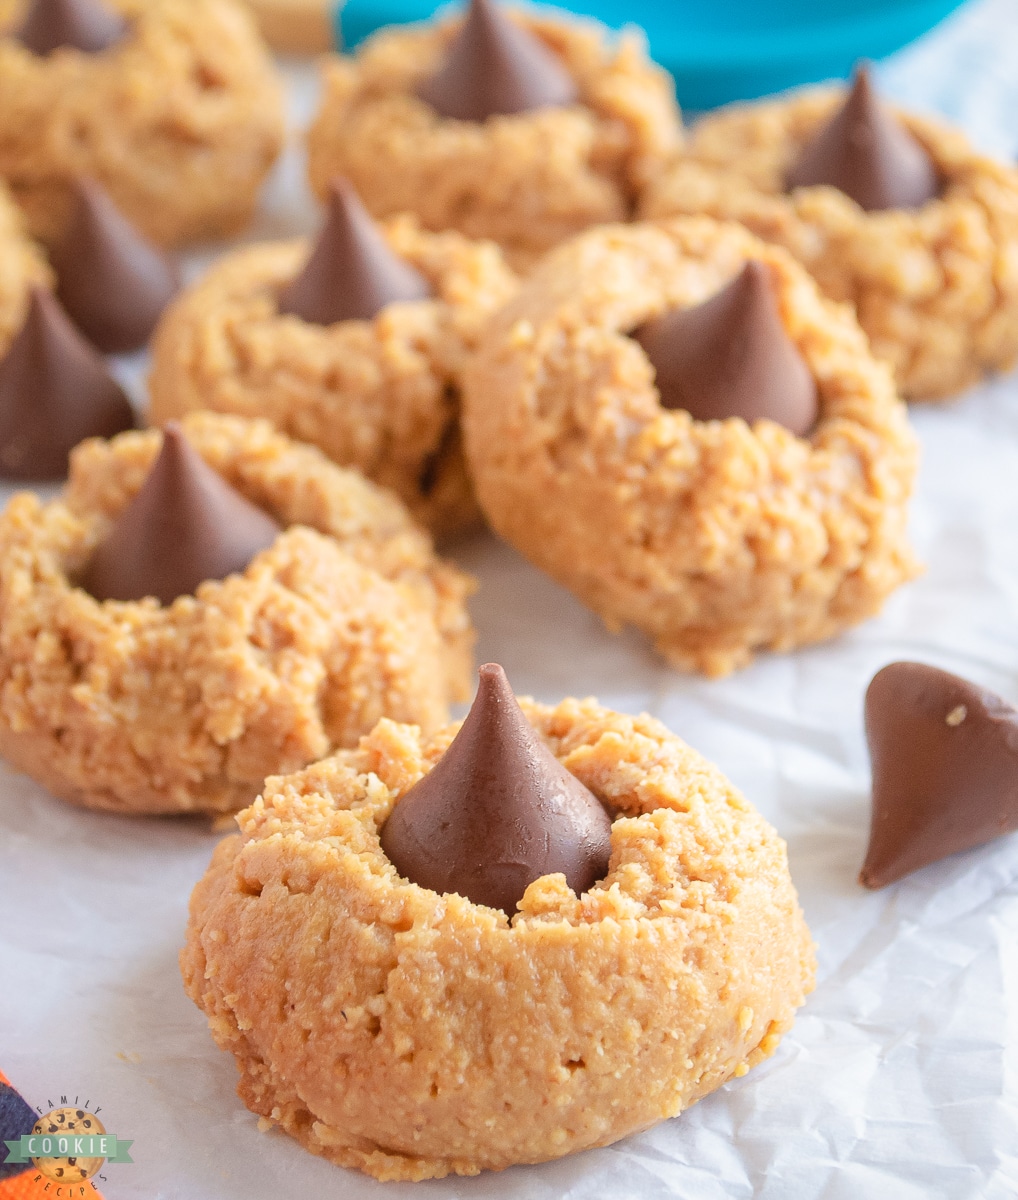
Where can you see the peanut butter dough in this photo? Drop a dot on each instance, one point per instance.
(411, 1034)
(716, 538)
(381, 395)
(180, 121)
(21, 265)
(527, 180)
(136, 707)
(935, 288)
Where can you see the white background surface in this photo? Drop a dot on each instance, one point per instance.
(900, 1079)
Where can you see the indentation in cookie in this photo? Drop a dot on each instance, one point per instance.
(498, 811)
(865, 152)
(55, 390)
(352, 273)
(732, 357)
(495, 67)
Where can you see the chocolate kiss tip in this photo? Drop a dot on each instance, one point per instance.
(111, 281)
(86, 25)
(185, 525)
(494, 67)
(731, 357)
(497, 811)
(55, 390)
(944, 755)
(352, 273)
(865, 152)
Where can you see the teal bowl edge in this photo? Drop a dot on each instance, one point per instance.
(714, 66)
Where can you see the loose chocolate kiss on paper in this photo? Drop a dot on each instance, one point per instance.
(55, 389)
(112, 282)
(731, 357)
(865, 152)
(352, 273)
(497, 811)
(86, 25)
(945, 769)
(185, 525)
(495, 67)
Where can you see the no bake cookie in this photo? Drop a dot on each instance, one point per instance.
(179, 119)
(718, 538)
(527, 179)
(379, 394)
(137, 706)
(934, 284)
(410, 1032)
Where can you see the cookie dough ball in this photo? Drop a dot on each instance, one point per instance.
(526, 180)
(411, 1034)
(22, 266)
(138, 707)
(935, 288)
(716, 538)
(382, 396)
(180, 121)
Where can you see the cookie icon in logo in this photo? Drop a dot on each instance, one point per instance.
(61, 1123)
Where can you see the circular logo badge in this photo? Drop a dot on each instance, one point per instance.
(64, 1122)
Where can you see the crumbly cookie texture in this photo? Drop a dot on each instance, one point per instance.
(716, 538)
(180, 121)
(411, 1034)
(936, 289)
(22, 265)
(381, 396)
(529, 180)
(136, 707)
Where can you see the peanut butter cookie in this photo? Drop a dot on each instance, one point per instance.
(180, 120)
(716, 537)
(379, 394)
(142, 707)
(526, 178)
(297, 26)
(411, 1033)
(935, 287)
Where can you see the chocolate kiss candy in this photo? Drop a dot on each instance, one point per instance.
(112, 283)
(54, 391)
(495, 67)
(945, 769)
(731, 357)
(867, 154)
(497, 811)
(86, 25)
(185, 525)
(352, 273)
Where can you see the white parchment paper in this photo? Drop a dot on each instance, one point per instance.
(900, 1078)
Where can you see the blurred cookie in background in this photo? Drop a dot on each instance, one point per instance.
(296, 26)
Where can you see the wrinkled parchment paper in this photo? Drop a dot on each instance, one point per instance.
(900, 1079)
